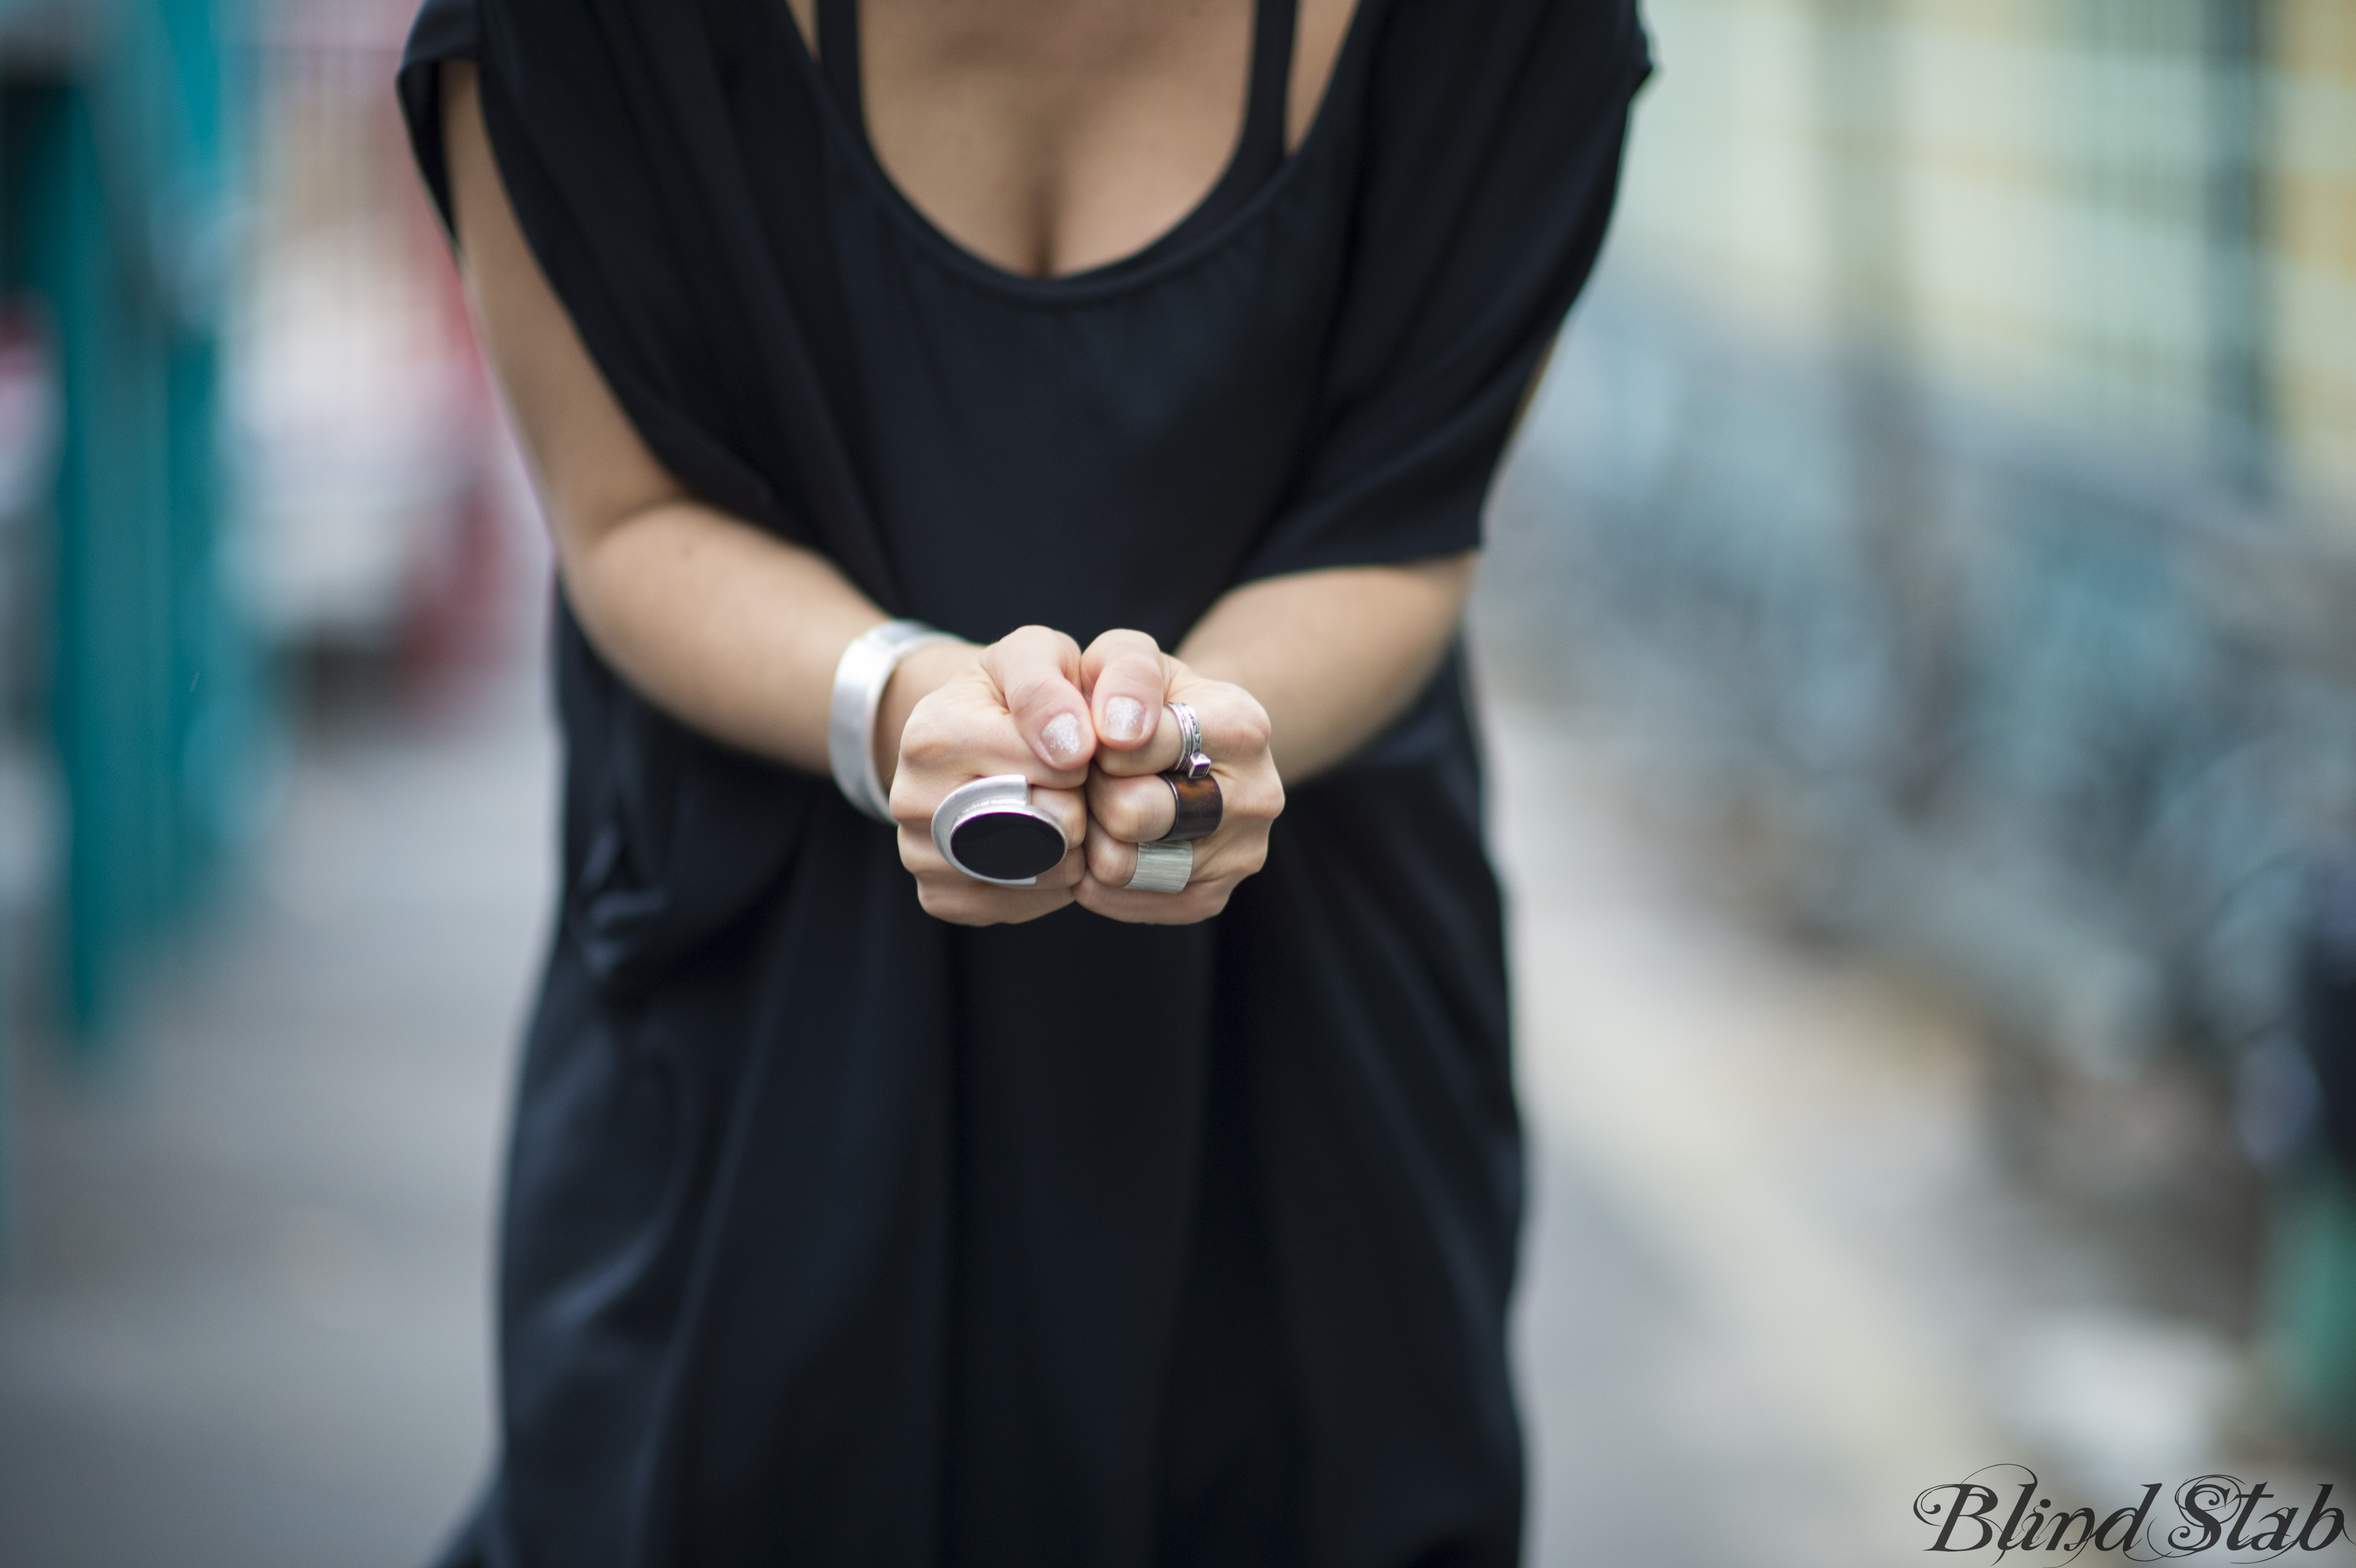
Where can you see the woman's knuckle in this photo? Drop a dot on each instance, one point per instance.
(1038, 641)
(950, 898)
(1030, 688)
(1253, 729)
(925, 743)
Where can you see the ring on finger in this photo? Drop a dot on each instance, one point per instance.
(990, 830)
(1164, 866)
(1199, 806)
(1193, 762)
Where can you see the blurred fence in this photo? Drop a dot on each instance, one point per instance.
(1953, 479)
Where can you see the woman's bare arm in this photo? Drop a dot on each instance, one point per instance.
(731, 629)
(1332, 656)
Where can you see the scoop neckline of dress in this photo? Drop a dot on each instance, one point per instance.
(1122, 273)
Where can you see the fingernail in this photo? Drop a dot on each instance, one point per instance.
(1063, 735)
(1124, 718)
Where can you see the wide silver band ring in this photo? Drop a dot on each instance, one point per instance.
(1193, 762)
(1163, 867)
(990, 830)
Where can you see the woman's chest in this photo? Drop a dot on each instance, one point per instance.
(1081, 459)
(1050, 137)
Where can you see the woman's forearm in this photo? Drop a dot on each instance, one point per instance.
(1332, 656)
(732, 630)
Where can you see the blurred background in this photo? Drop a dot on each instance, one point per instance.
(1922, 688)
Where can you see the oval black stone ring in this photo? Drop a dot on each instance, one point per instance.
(1200, 807)
(990, 830)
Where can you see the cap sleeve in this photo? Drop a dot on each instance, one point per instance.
(444, 30)
(1490, 156)
(611, 125)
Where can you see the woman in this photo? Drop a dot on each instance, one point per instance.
(861, 1211)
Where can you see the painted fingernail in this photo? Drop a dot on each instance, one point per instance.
(1124, 718)
(1063, 735)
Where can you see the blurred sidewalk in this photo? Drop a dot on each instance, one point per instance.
(248, 1328)
(1775, 1286)
(1713, 1376)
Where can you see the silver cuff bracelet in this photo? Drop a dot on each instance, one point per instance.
(864, 670)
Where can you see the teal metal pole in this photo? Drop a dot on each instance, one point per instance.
(109, 604)
(120, 168)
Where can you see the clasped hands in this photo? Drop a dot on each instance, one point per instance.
(1089, 730)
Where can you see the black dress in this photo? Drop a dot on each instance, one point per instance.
(834, 1234)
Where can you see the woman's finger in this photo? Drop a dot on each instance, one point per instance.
(1037, 673)
(1105, 891)
(1134, 809)
(1235, 730)
(965, 902)
(1068, 810)
(1157, 756)
(1126, 678)
(1225, 858)
(1111, 861)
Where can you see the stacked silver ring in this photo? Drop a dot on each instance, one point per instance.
(1192, 762)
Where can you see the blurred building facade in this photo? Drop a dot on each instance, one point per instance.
(244, 433)
(375, 476)
(1954, 474)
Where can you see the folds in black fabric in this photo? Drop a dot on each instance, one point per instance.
(668, 836)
